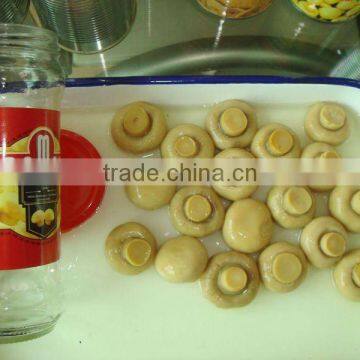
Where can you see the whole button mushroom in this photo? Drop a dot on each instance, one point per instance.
(276, 141)
(248, 226)
(233, 192)
(181, 259)
(230, 280)
(324, 241)
(197, 211)
(283, 267)
(130, 248)
(139, 127)
(150, 197)
(347, 275)
(328, 123)
(320, 151)
(232, 124)
(344, 205)
(187, 141)
(292, 207)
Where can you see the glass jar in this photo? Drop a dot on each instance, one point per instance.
(235, 9)
(334, 11)
(31, 88)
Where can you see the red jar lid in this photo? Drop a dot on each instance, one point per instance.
(78, 203)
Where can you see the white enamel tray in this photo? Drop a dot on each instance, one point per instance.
(110, 316)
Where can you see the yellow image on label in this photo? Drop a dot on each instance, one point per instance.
(10, 210)
(41, 218)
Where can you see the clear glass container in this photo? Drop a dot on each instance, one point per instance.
(31, 83)
(334, 11)
(235, 9)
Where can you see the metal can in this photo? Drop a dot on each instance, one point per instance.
(13, 11)
(87, 26)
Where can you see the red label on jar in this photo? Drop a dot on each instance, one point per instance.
(29, 205)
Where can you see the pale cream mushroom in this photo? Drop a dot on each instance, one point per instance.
(232, 124)
(276, 141)
(187, 141)
(347, 275)
(325, 152)
(139, 127)
(328, 123)
(283, 267)
(197, 211)
(230, 280)
(233, 192)
(248, 226)
(292, 207)
(344, 205)
(324, 241)
(130, 248)
(181, 259)
(150, 197)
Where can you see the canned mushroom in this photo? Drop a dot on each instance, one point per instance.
(332, 11)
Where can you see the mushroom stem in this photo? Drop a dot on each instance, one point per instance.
(197, 208)
(232, 279)
(332, 117)
(136, 251)
(333, 244)
(137, 122)
(280, 142)
(356, 275)
(287, 268)
(186, 146)
(355, 202)
(297, 201)
(233, 122)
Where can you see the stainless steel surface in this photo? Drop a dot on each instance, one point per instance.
(179, 37)
(13, 11)
(87, 26)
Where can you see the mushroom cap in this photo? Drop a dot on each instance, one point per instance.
(228, 269)
(181, 259)
(130, 248)
(138, 127)
(324, 241)
(187, 141)
(231, 124)
(283, 267)
(346, 275)
(327, 122)
(320, 151)
(231, 192)
(150, 197)
(292, 207)
(189, 211)
(248, 226)
(344, 206)
(276, 140)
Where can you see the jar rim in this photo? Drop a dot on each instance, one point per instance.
(25, 32)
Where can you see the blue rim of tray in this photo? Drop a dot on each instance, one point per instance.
(192, 80)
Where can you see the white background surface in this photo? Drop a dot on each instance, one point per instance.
(110, 316)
